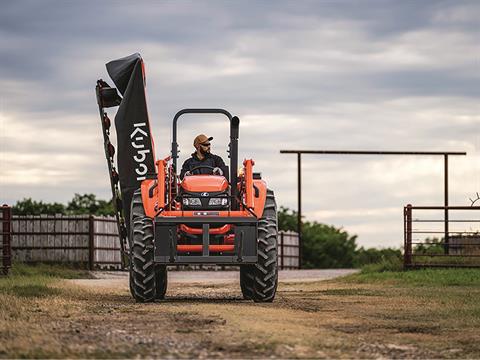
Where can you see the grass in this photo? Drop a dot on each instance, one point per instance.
(28, 296)
(49, 271)
(385, 264)
(391, 272)
(441, 303)
(29, 281)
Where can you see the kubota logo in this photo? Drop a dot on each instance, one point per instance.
(138, 137)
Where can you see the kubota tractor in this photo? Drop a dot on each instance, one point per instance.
(203, 219)
(200, 219)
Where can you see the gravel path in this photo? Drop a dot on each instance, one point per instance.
(120, 278)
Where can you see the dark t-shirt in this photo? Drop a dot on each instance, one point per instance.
(209, 160)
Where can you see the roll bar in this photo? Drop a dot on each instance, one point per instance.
(232, 146)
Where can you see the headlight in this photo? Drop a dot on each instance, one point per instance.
(191, 202)
(218, 201)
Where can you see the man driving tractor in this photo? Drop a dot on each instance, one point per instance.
(203, 157)
(201, 219)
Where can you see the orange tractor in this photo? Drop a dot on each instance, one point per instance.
(200, 219)
(203, 219)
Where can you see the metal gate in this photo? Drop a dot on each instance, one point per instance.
(441, 236)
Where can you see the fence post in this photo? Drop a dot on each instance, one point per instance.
(299, 255)
(407, 257)
(6, 238)
(91, 243)
(282, 252)
(446, 219)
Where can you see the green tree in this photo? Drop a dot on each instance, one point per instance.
(88, 204)
(430, 246)
(79, 205)
(287, 219)
(27, 206)
(323, 246)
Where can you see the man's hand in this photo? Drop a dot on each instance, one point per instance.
(217, 171)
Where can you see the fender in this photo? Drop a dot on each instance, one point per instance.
(149, 190)
(259, 202)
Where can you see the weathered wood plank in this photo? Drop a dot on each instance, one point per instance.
(65, 239)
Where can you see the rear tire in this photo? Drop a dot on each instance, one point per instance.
(145, 276)
(260, 280)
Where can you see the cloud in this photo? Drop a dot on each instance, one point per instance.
(373, 75)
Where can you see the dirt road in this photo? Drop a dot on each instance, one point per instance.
(204, 316)
(120, 279)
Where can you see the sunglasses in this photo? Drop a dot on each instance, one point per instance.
(205, 144)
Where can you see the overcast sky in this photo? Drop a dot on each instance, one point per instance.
(338, 75)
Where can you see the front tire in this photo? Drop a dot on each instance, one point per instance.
(145, 276)
(259, 282)
(160, 281)
(247, 281)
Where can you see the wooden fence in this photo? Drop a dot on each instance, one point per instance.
(5, 239)
(92, 241)
(81, 239)
(288, 250)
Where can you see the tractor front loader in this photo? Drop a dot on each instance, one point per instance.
(202, 219)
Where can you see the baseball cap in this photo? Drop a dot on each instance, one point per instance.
(200, 139)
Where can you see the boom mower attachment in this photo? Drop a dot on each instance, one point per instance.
(108, 97)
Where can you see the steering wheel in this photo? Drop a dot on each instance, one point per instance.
(214, 169)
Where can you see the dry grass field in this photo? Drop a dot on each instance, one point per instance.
(421, 314)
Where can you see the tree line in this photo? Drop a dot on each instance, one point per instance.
(79, 205)
(323, 246)
(326, 246)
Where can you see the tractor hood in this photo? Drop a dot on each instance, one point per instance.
(204, 183)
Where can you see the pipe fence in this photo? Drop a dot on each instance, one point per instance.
(441, 236)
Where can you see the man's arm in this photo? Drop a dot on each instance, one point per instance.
(185, 168)
(220, 164)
